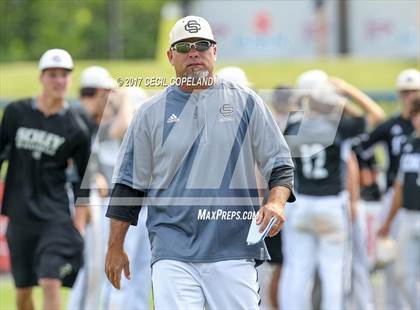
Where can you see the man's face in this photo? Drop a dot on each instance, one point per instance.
(193, 64)
(55, 82)
(406, 98)
(96, 104)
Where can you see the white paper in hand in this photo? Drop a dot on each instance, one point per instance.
(254, 234)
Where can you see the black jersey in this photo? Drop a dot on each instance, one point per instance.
(409, 174)
(40, 149)
(393, 134)
(317, 149)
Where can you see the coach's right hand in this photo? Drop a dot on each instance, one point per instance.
(116, 261)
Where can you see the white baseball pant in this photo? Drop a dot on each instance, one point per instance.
(230, 284)
(265, 274)
(361, 293)
(86, 291)
(92, 290)
(394, 298)
(408, 262)
(317, 236)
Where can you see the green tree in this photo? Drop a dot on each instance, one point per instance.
(87, 29)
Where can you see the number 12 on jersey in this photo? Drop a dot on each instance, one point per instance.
(313, 157)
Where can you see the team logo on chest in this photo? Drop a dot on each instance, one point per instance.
(226, 113)
(38, 141)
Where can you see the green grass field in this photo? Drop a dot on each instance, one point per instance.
(7, 295)
(21, 78)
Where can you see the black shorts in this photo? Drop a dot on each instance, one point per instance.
(52, 250)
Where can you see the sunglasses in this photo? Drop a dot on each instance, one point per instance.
(185, 47)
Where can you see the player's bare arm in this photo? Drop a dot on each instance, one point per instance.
(375, 114)
(80, 218)
(353, 185)
(116, 260)
(396, 205)
(274, 208)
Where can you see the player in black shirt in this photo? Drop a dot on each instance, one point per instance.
(43, 134)
(361, 296)
(319, 222)
(393, 133)
(406, 201)
(320, 146)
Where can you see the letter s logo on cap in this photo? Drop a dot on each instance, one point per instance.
(192, 26)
